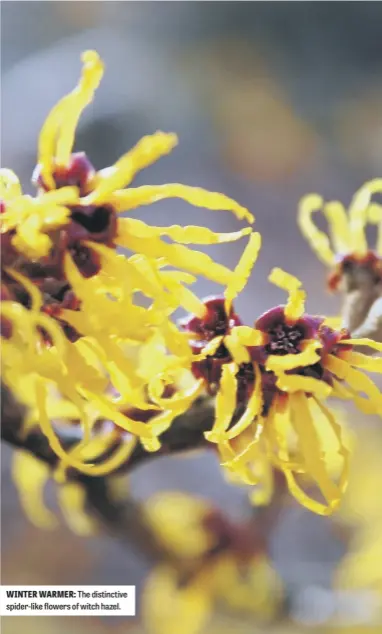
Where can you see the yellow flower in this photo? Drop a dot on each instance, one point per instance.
(93, 217)
(83, 340)
(347, 231)
(271, 386)
(39, 361)
(221, 562)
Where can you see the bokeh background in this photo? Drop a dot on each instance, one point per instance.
(271, 100)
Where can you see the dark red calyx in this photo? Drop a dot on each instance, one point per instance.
(350, 263)
(216, 322)
(79, 173)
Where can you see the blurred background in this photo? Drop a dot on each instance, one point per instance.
(271, 100)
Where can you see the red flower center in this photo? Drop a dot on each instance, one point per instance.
(284, 339)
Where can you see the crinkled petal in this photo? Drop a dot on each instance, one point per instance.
(358, 382)
(176, 255)
(308, 356)
(245, 463)
(184, 235)
(358, 214)
(309, 445)
(32, 290)
(243, 269)
(181, 401)
(296, 301)
(292, 383)
(57, 134)
(108, 410)
(148, 194)
(238, 352)
(253, 409)
(209, 349)
(317, 239)
(225, 403)
(339, 226)
(184, 297)
(342, 449)
(376, 345)
(363, 361)
(146, 152)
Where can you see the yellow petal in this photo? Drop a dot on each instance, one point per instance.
(245, 464)
(57, 134)
(342, 449)
(262, 493)
(292, 383)
(107, 410)
(148, 194)
(358, 214)
(176, 255)
(308, 356)
(252, 410)
(58, 197)
(176, 341)
(303, 498)
(238, 352)
(296, 301)
(92, 73)
(339, 226)
(119, 457)
(146, 152)
(376, 345)
(363, 361)
(333, 322)
(185, 298)
(32, 290)
(243, 269)
(309, 444)
(248, 336)
(209, 349)
(182, 400)
(361, 383)
(318, 240)
(225, 402)
(358, 382)
(184, 235)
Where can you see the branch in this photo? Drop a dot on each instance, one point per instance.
(186, 433)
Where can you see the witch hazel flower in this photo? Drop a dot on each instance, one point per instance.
(271, 384)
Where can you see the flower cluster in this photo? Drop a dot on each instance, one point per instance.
(71, 322)
(222, 561)
(271, 382)
(79, 346)
(347, 232)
